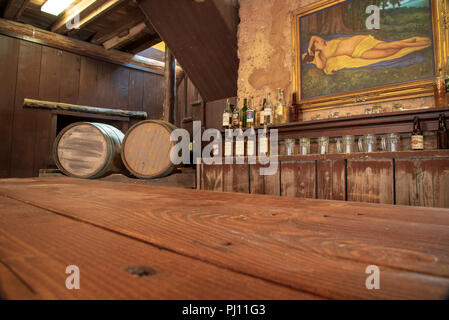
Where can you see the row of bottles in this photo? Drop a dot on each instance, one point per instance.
(417, 141)
(248, 115)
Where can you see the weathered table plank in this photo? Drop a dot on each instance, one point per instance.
(36, 246)
(321, 247)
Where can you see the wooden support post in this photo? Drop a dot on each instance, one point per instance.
(170, 86)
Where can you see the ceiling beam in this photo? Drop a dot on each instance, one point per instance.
(14, 9)
(141, 44)
(97, 13)
(54, 40)
(60, 25)
(117, 28)
(131, 34)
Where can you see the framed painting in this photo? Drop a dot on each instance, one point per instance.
(349, 52)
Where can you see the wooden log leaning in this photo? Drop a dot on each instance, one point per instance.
(146, 149)
(39, 104)
(89, 150)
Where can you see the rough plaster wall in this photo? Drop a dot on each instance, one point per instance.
(265, 51)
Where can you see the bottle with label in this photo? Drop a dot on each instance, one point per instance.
(442, 133)
(417, 136)
(236, 116)
(240, 142)
(293, 109)
(280, 114)
(264, 144)
(261, 113)
(228, 143)
(227, 114)
(243, 113)
(251, 114)
(268, 110)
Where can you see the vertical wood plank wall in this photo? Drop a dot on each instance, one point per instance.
(29, 70)
(403, 179)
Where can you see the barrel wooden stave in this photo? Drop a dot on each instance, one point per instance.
(146, 149)
(89, 150)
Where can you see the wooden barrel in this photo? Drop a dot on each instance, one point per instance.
(146, 149)
(88, 150)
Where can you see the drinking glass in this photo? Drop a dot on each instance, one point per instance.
(391, 142)
(323, 145)
(289, 146)
(368, 143)
(304, 146)
(345, 144)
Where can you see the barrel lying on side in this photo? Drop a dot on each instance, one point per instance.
(89, 150)
(146, 149)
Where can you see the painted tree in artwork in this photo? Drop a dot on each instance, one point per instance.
(333, 21)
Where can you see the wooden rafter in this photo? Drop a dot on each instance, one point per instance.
(131, 34)
(14, 9)
(54, 40)
(103, 9)
(142, 43)
(117, 28)
(60, 25)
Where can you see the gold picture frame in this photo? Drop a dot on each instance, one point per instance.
(390, 92)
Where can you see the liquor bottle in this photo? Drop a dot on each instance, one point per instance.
(236, 116)
(442, 133)
(227, 114)
(240, 142)
(251, 114)
(243, 113)
(228, 143)
(268, 110)
(251, 143)
(417, 136)
(264, 144)
(281, 112)
(293, 109)
(261, 113)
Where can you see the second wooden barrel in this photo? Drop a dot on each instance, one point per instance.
(146, 149)
(88, 150)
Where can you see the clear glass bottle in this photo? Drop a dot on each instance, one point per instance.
(264, 142)
(261, 113)
(240, 142)
(268, 110)
(227, 114)
(281, 112)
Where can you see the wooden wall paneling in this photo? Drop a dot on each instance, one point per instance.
(370, 180)
(256, 180)
(106, 94)
(49, 85)
(235, 178)
(88, 90)
(9, 55)
(212, 177)
(298, 179)
(324, 179)
(135, 90)
(422, 182)
(28, 74)
(272, 183)
(441, 182)
(339, 179)
(180, 103)
(70, 78)
(153, 99)
(121, 87)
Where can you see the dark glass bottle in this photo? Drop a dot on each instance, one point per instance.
(243, 113)
(442, 133)
(417, 135)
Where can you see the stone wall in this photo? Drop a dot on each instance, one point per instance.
(266, 55)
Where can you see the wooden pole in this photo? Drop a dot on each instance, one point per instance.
(169, 86)
(31, 103)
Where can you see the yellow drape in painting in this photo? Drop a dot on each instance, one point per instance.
(340, 62)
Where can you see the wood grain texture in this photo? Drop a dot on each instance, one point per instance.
(371, 181)
(298, 179)
(422, 182)
(146, 149)
(9, 53)
(235, 178)
(33, 263)
(321, 247)
(212, 177)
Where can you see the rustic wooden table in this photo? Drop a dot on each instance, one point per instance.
(147, 242)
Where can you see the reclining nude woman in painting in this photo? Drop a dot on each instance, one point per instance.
(358, 51)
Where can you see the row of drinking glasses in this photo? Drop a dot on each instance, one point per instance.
(346, 144)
